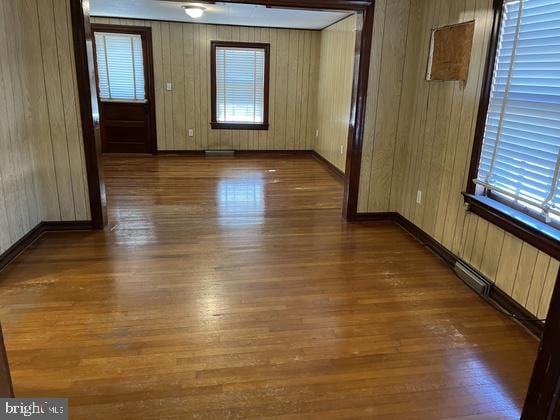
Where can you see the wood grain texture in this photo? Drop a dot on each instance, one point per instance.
(232, 288)
(432, 149)
(336, 70)
(42, 173)
(182, 57)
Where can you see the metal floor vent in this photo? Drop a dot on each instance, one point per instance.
(473, 279)
(211, 153)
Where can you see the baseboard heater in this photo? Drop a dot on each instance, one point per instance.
(213, 153)
(473, 279)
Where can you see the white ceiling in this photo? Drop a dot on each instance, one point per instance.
(219, 13)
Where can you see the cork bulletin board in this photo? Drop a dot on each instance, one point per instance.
(450, 52)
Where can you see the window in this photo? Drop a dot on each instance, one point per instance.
(120, 66)
(240, 85)
(517, 158)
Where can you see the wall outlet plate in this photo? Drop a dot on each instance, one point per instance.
(191, 132)
(168, 86)
(419, 197)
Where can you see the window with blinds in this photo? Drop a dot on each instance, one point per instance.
(120, 66)
(521, 147)
(239, 76)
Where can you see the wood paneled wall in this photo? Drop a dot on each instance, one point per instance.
(390, 39)
(425, 145)
(336, 70)
(182, 57)
(42, 170)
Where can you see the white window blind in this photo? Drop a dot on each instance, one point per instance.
(521, 146)
(240, 84)
(120, 66)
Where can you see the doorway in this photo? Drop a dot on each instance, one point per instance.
(125, 88)
(83, 45)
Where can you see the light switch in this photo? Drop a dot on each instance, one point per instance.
(169, 86)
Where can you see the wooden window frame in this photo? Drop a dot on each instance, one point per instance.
(520, 222)
(215, 124)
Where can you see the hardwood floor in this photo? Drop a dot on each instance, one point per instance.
(228, 288)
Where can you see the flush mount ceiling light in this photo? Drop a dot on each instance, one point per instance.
(194, 11)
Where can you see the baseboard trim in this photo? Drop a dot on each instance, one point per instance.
(17, 248)
(180, 152)
(330, 167)
(372, 217)
(49, 226)
(522, 315)
(497, 296)
(237, 152)
(446, 255)
(56, 226)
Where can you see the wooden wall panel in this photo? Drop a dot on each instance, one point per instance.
(433, 141)
(384, 100)
(182, 57)
(42, 171)
(336, 67)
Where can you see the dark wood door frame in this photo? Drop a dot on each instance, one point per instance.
(146, 33)
(89, 110)
(6, 388)
(543, 398)
(83, 50)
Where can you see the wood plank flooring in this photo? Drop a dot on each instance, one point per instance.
(231, 288)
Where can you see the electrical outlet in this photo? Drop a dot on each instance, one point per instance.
(168, 86)
(419, 197)
(341, 149)
(191, 132)
(316, 133)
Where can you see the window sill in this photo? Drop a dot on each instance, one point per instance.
(238, 126)
(536, 233)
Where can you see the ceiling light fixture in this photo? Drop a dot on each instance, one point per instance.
(194, 11)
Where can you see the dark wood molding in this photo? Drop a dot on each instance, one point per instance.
(376, 216)
(497, 296)
(485, 95)
(342, 5)
(274, 153)
(526, 318)
(543, 397)
(238, 126)
(364, 35)
(148, 57)
(181, 152)
(524, 231)
(445, 254)
(17, 248)
(330, 167)
(6, 387)
(414, 231)
(214, 123)
(89, 110)
(58, 226)
(247, 153)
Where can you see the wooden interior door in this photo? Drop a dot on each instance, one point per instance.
(6, 389)
(126, 101)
